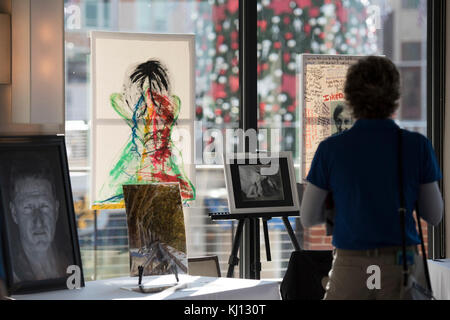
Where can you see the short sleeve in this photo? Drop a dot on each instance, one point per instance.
(430, 167)
(318, 173)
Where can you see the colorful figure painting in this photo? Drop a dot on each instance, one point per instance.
(150, 109)
(156, 230)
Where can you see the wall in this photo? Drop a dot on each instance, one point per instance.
(48, 120)
(5, 91)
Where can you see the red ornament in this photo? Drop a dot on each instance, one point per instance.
(288, 84)
(218, 13)
(303, 3)
(277, 45)
(307, 28)
(233, 6)
(342, 14)
(220, 40)
(280, 6)
(314, 12)
(234, 83)
(262, 109)
(288, 36)
(262, 24)
(218, 91)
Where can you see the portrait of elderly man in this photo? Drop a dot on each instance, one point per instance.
(34, 213)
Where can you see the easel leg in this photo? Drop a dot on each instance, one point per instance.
(266, 239)
(255, 256)
(291, 233)
(234, 260)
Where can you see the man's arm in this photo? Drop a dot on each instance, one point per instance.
(312, 208)
(430, 203)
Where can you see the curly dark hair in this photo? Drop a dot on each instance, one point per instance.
(372, 88)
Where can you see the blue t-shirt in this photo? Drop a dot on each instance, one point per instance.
(360, 168)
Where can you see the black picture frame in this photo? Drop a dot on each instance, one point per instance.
(282, 198)
(239, 197)
(51, 153)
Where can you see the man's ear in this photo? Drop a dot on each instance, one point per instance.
(13, 212)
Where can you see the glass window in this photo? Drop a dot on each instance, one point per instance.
(289, 28)
(286, 29)
(103, 234)
(411, 51)
(410, 4)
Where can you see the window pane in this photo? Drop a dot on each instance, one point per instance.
(289, 28)
(103, 237)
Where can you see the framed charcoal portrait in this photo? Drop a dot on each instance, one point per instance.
(261, 183)
(39, 233)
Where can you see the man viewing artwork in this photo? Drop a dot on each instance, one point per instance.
(34, 212)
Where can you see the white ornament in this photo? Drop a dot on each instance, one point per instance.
(273, 57)
(291, 43)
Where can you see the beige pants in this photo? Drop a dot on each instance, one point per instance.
(349, 275)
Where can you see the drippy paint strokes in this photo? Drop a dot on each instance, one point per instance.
(150, 155)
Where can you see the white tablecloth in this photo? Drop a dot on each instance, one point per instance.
(192, 288)
(440, 278)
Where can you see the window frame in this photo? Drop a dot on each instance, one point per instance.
(436, 65)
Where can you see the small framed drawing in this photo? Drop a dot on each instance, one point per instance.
(260, 183)
(37, 219)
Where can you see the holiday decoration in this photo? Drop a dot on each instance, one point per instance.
(286, 28)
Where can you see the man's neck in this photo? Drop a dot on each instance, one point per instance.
(42, 263)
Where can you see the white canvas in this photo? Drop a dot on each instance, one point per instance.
(118, 121)
(117, 55)
(321, 92)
